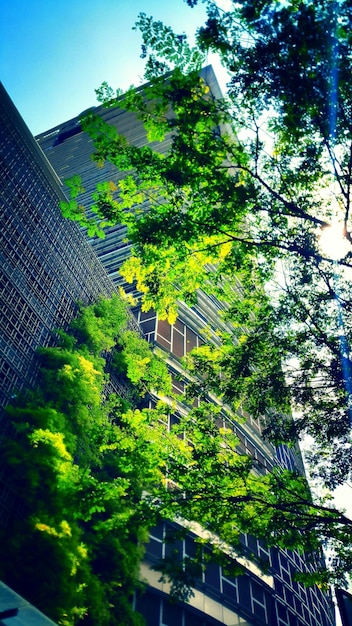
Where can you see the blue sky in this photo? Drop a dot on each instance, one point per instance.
(54, 53)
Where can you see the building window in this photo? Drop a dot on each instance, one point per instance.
(282, 615)
(155, 546)
(259, 604)
(178, 338)
(285, 570)
(229, 587)
(147, 323)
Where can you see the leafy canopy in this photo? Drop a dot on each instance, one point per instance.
(247, 187)
(79, 464)
(237, 206)
(94, 472)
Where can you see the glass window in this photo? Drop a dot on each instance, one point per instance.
(164, 330)
(171, 614)
(158, 531)
(178, 344)
(149, 605)
(282, 615)
(229, 588)
(190, 547)
(191, 340)
(178, 386)
(148, 326)
(252, 544)
(212, 575)
(285, 569)
(293, 620)
(192, 620)
(174, 548)
(163, 342)
(174, 420)
(258, 601)
(154, 548)
(244, 592)
(180, 326)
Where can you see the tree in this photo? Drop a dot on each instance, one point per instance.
(280, 169)
(94, 474)
(247, 188)
(79, 463)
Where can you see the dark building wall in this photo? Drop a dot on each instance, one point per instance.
(46, 264)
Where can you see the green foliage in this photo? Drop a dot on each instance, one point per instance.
(162, 47)
(144, 369)
(217, 487)
(99, 325)
(247, 185)
(244, 369)
(79, 465)
(236, 208)
(105, 93)
(245, 188)
(94, 475)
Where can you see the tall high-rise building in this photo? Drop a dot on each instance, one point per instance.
(252, 599)
(47, 268)
(46, 265)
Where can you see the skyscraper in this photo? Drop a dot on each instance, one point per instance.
(252, 598)
(46, 267)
